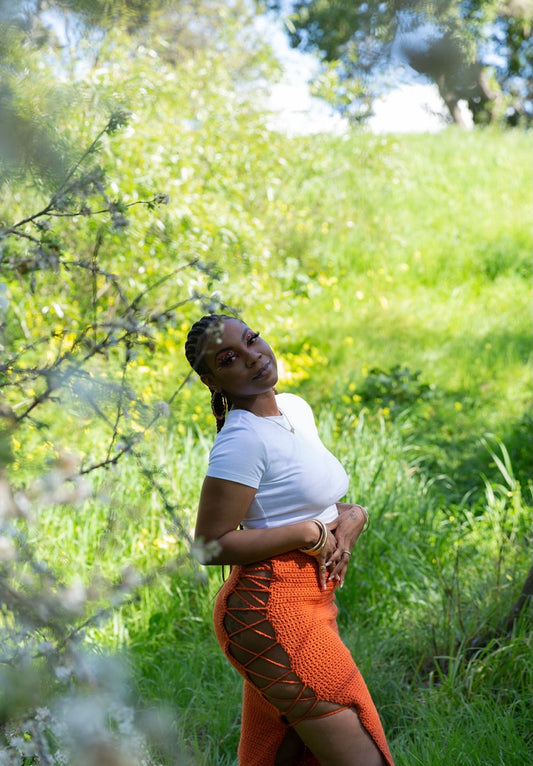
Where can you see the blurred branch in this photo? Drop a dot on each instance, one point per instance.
(43, 618)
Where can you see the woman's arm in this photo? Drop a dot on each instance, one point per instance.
(223, 505)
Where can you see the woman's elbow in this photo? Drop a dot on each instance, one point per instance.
(207, 551)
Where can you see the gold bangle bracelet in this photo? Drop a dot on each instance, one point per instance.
(315, 549)
(318, 547)
(367, 519)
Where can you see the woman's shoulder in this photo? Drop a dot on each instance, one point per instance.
(238, 443)
(237, 422)
(239, 432)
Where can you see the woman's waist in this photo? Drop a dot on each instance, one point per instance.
(294, 574)
(261, 519)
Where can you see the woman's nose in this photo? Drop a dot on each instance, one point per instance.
(252, 357)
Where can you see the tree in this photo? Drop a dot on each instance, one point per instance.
(473, 50)
(29, 30)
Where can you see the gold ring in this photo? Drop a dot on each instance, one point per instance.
(348, 553)
(323, 568)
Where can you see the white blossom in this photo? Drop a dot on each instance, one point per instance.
(74, 597)
(205, 552)
(8, 551)
(8, 506)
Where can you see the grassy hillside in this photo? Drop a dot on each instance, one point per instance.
(392, 277)
(413, 252)
(410, 255)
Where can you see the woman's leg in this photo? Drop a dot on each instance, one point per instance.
(291, 750)
(266, 738)
(340, 740)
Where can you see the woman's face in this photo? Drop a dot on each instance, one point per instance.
(240, 362)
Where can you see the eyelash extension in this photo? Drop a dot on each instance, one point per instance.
(225, 361)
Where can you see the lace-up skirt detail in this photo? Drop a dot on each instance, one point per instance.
(278, 628)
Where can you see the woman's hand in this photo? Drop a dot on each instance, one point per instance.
(324, 557)
(345, 529)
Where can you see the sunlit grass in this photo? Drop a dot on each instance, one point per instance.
(408, 252)
(428, 587)
(416, 251)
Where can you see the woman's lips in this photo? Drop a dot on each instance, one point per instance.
(262, 372)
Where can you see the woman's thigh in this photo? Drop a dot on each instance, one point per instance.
(340, 740)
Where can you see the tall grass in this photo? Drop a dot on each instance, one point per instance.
(427, 593)
(424, 607)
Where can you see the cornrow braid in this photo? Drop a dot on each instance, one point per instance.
(220, 404)
(195, 346)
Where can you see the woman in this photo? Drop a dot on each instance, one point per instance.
(270, 507)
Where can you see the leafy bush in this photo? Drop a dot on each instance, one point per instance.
(395, 390)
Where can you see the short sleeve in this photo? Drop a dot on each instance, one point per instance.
(238, 455)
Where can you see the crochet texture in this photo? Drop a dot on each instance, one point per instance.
(278, 628)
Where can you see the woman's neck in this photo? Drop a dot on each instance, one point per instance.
(262, 405)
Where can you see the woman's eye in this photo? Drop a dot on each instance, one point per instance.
(253, 338)
(226, 360)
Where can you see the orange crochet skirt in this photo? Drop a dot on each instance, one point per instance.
(278, 628)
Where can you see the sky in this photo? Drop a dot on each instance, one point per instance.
(410, 108)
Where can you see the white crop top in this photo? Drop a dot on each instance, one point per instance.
(296, 477)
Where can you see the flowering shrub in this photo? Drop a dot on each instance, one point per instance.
(77, 365)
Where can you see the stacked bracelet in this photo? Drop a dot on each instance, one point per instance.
(367, 519)
(318, 547)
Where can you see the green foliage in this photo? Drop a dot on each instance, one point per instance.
(391, 276)
(397, 389)
(79, 321)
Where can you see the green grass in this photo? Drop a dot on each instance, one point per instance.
(411, 251)
(421, 609)
(417, 252)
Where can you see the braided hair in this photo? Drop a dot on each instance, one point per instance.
(195, 348)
